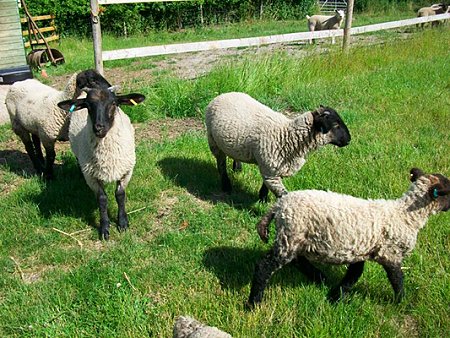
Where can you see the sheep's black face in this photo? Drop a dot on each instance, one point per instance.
(101, 105)
(327, 120)
(439, 189)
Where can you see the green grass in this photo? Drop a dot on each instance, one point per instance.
(192, 250)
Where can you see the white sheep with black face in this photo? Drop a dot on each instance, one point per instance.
(102, 139)
(35, 118)
(325, 22)
(327, 227)
(245, 130)
(434, 9)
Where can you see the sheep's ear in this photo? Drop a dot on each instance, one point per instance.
(438, 190)
(72, 105)
(415, 173)
(130, 99)
(321, 122)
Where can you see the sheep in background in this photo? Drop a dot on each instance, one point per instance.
(187, 327)
(432, 10)
(325, 22)
(90, 79)
(102, 139)
(242, 128)
(332, 228)
(35, 118)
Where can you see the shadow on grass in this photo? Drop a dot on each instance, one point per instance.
(67, 194)
(234, 267)
(202, 180)
(17, 162)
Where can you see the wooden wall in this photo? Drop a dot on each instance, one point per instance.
(12, 52)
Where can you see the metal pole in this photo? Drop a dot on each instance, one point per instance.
(348, 25)
(96, 36)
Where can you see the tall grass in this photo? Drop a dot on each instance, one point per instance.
(192, 250)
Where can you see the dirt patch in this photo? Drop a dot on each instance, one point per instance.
(168, 128)
(409, 327)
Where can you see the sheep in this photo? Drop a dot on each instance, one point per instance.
(35, 118)
(102, 139)
(187, 327)
(325, 22)
(332, 228)
(242, 128)
(432, 10)
(90, 79)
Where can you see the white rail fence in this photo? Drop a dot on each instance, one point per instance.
(232, 43)
(258, 41)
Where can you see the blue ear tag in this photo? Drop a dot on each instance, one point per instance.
(72, 108)
(435, 193)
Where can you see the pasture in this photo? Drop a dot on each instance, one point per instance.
(191, 249)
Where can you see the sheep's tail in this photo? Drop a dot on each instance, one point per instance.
(308, 17)
(263, 226)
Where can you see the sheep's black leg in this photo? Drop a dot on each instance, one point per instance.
(263, 271)
(309, 270)
(50, 155)
(395, 276)
(103, 208)
(354, 271)
(122, 218)
(29, 147)
(222, 168)
(263, 193)
(38, 149)
(237, 165)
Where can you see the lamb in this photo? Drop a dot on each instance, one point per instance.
(102, 139)
(242, 128)
(327, 227)
(90, 79)
(432, 10)
(35, 118)
(325, 22)
(187, 327)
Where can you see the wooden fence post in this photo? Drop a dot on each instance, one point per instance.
(96, 36)
(348, 25)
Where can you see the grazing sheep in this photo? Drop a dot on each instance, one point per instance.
(332, 228)
(102, 139)
(325, 22)
(242, 128)
(430, 11)
(36, 118)
(187, 327)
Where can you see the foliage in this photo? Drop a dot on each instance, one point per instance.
(73, 16)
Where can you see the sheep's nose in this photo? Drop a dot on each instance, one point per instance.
(99, 127)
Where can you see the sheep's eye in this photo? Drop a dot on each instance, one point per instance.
(337, 126)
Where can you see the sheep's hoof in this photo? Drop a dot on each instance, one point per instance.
(237, 166)
(104, 236)
(226, 187)
(104, 233)
(49, 177)
(249, 305)
(123, 225)
(337, 295)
